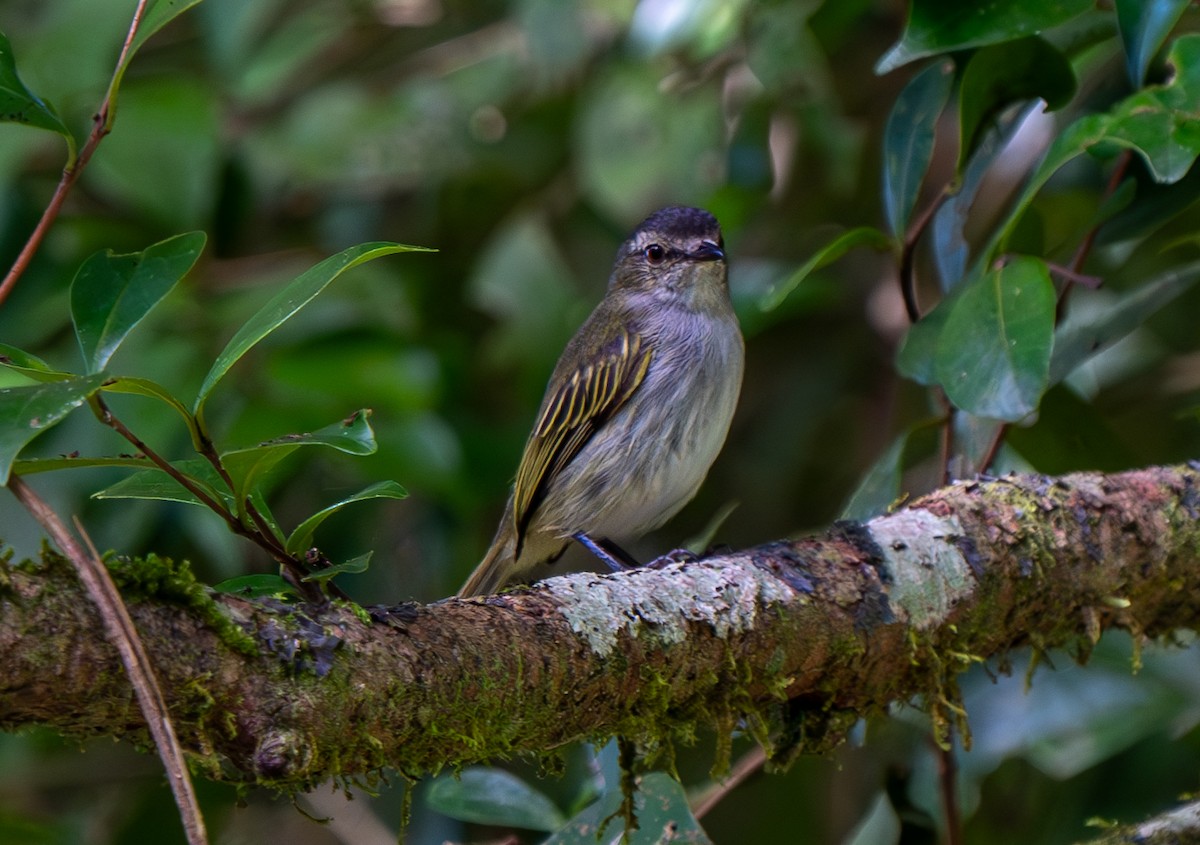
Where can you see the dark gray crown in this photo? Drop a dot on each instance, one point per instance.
(682, 223)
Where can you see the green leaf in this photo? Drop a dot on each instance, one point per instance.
(28, 466)
(112, 293)
(993, 354)
(917, 356)
(21, 368)
(908, 140)
(661, 806)
(287, 302)
(27, 411)
(153, 390)
(19, 105)
(1159, 122)
(354, 566)
(1076, 341)
(880, 487)
(155, 484)
(248, 466)
(839, 246)
(1144, 26)
(940, 26)
(254, 586)
(1162, 122)
(951, 250)
(1000, 75)
(10, 356)
(493, 796)
(1067, 145)
(301, 538)
(156, 15)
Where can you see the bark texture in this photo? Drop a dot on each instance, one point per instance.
(793, 639)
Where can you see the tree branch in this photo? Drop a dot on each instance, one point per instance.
(793, 640)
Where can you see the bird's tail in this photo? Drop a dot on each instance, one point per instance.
(493, 572)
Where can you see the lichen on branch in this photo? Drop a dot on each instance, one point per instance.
(791, 640)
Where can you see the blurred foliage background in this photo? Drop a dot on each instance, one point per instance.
(524, 140)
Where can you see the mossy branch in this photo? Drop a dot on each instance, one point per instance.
(792, 640)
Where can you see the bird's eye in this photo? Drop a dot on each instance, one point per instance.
(654, 253)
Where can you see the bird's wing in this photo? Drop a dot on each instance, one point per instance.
(578, 408)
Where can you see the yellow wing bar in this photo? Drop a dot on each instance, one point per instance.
(577, 409)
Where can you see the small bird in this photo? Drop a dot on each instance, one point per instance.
(636, 409)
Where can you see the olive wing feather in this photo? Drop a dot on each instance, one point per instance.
(571, 416)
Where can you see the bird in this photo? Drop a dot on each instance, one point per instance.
(636, 409)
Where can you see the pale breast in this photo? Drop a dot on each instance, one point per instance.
(651, 458)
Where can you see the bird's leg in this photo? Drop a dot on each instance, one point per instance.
(612, 555)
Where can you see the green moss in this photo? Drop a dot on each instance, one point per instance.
(162, 579)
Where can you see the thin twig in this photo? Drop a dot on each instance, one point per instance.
(102, 122)
(947, 438)
(263, 539)
(1089, 240)
(748, 764)
(908, 274)
(948, 782)
(108, 418)
(120, 631)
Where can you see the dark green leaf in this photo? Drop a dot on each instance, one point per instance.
(661, 806)
(254, 586)
(27, 411)
(19, 105)
(10, 356)
(354, 566)
(1144, 26)
(993, 354)
(158, 13)
(27, 466)
(18, 368)
(111, 293)
(494, 796)
(287, 302)
(917, 354)
(940, 26)
(835, 249)
(156, 484)
(248, 466)
(880, 487)
(908, 140)
(951, 251)
(352, 435)
(1000, 75)
(1067, 145)
(301, 538)
(1076, 340)
(1161, 121)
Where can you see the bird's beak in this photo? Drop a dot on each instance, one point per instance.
(708, 251)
